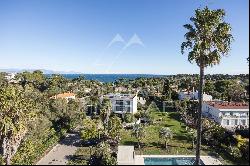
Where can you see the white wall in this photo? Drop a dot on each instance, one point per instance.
(211, 112)
(134, 107)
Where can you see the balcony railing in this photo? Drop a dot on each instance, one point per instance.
(233, 116)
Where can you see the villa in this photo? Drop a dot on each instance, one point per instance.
(228, 114)
(123, 103)
(193, 96)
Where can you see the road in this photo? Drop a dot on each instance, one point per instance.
(61, 153)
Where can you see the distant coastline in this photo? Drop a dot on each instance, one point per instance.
(109, 77)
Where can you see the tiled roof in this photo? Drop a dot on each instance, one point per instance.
(64, 95)
(229, 105)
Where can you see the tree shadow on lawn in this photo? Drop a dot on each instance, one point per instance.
(129, 143)
(182, 137)
(167, 125)
(175, 117)
(153, 144)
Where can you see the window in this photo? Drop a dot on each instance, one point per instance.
(119, 102)
(119, 108)
(224, 122)
(128, 109)
(227, 123)
(236, 121)
(128, 102)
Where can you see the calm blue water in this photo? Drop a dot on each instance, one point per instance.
(109, 77)
(169, 161)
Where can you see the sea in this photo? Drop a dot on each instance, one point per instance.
(109, 77)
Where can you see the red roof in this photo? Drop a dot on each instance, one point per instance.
(64, 95)
(229, 105)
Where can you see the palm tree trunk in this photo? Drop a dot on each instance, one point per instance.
(193, 144)
(199, 124)
(166, 145)
(139, 146)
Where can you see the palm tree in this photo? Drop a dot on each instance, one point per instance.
(139, 133)
(208, 39)
(114, 129)
(166, 134)
(105, 110)
(193, 134)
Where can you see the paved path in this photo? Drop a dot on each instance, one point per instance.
(61, 153)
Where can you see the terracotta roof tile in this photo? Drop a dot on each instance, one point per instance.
(64, 95)
(229, 105)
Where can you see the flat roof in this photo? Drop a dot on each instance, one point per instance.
(120, 96)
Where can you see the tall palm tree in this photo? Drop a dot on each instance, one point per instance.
(105, 110)
(207, 40)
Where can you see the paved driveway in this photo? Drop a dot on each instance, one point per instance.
(61, 153)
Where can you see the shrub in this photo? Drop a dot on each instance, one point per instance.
(243, 132)
(2, 160)
(34, 147)
(129, 118)
(245, 150)
(234, 152)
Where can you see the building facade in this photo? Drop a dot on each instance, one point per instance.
(193, 96)
(229, 115)
(122, 103)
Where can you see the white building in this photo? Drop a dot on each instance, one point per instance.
(229, 115)
(123, 103)
(193, 96)
(10, 76)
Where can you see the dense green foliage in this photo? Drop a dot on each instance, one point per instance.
(31, 122)
(46, 119)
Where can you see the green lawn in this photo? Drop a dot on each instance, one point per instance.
(180, 144)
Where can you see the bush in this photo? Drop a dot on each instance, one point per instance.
(2, 160)
(234, 152)
(129, 118)
(137, 115)
(32, 148)
(245, 150)
(243, 132)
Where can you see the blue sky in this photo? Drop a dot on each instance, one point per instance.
(73, 35)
